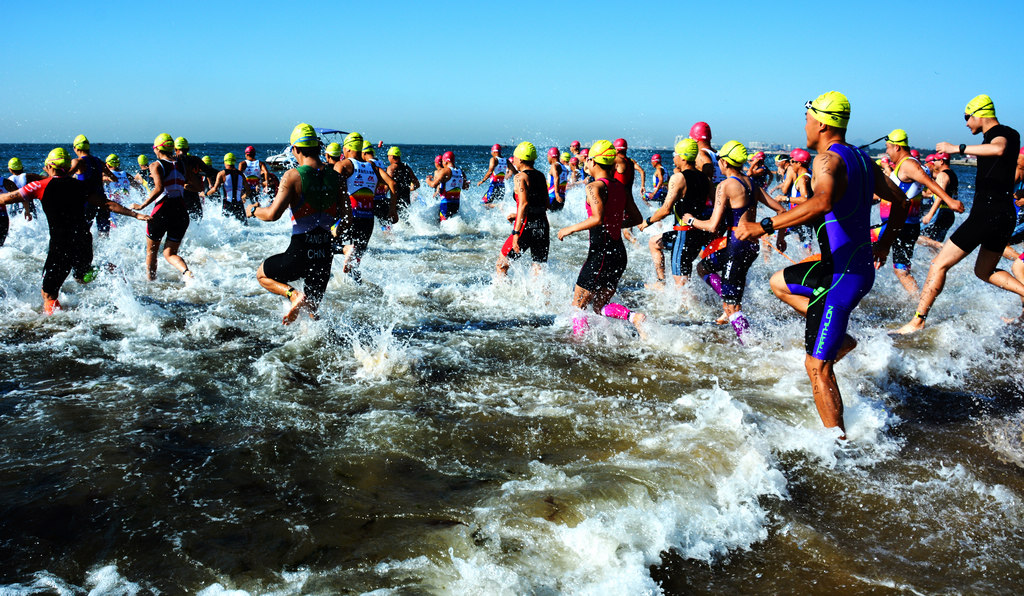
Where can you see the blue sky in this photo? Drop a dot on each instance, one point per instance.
(484, 72)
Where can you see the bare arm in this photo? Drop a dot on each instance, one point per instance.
(676, 190)
(216, 184)
(915, 172)
(596, 191)
(286, 192)
(711, 224)
(158, 185)
(490, 170)
(994, 149)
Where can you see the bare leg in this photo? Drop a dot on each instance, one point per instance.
(908, 281)
(152, 249)
(926, 241)
(297, 298)
(655, 245)
(171, 256)
(826, 393)
(950, 255)
(781, 291)
(985, 269)
(503, 265)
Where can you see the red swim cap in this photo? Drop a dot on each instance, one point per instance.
(915, 153)
(553, 152)
(620, 145)
(759, 155)
(656, 158)
(437, 160)
(800, 155)
(945, 156)
(250, 149)
(577, 144)
(447, 156)
(700, 131)
(496, 148)
(585, 151)
(574, 161)
(931, 157)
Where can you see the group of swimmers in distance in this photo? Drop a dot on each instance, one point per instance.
(335, 192)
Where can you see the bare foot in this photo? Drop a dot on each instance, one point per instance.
(657, 286)
(1015, 321)
(298, 300)
(916, 324)
(638, 318)
(722, 320)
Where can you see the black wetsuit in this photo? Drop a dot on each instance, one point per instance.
(992, 217)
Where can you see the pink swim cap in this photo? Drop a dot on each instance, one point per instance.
(800, 155)
(553, 152)
(620, 145)
(574, 161)
(759, 155)
(700, 131)
(437, 160)
(447, 156)
(656, 158)
(575, 144)
(931, 157)
(496, 148)
(250, 150)
(915, 153)
(945, 156)
(585, 151)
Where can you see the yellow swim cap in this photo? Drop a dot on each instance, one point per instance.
(334, 150)
(354, 141)
(303, 135)
(602, 152)
(734, 153)
(367, 146)
(229, 158)
(58, 158)
(113, 160)
(898, 137)
(981, 106)
(181, 143)
(207, 160)
(830, 108)
(15, 164)
(687, 148)
(81, 142)
(525, 151)
(163, 142)
(565, 156)
(143, 161)
(396, 151)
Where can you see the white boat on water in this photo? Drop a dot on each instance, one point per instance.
(284, 159)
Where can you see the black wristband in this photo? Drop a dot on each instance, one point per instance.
(252, 212)
(767, 225)
(648, 221)
(515, 232)
(963, 147)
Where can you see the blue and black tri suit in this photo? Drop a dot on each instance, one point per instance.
(735, 258)
(846, 271)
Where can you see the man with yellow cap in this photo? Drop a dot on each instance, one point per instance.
(169, 217)
(18, 178)
(384, 207)
(70, 248)
(118, 186)
(359, 181)
(990, 223)
(687, 193)
(90, 169)
(530, 229)
(313, 192)
(233, 189)
(195, 171)
(826, 291)
(610, 208)
(911, 178)
(405, 179)
(725, 262)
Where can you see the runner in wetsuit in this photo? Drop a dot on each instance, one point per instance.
(70, 248)
(558, 179)
(826, 291)
(659, 183)
(609, 209)
(313, 193)
(405, 179)
(687, 193)
(90, 169)
(169, 216)
(195, 169)
(940, 216)
(233, 189)
(530, 223)
(911, 178)
(726, 260)
(990, 222)
(497, 170)
(449, 182)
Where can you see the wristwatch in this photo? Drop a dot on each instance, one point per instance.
(963, 147)
(690, 221)
(767, 225)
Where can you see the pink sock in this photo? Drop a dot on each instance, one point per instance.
(715, 281)
(615, 311)
(580, 325)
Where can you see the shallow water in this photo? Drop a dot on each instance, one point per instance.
(439, 432)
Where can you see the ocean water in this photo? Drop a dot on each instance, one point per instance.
(438, 431)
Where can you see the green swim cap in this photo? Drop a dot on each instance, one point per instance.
(81, 142)
(565, 156)
(207, 160)
(367, 146)
(981, 106)
(353, 142)
(334, 150)
(898, 137)
(831, 108)
(181, 143)
(396, 151)
(163, 142)
(525, 151)
(602, 152)
(734, 153)
(229, 158)
(143, 161)
(303, 135)
(58, 158)
(15, 164)
(113, 160)
(687, 149)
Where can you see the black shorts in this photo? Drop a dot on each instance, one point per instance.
(684, 246)
(309, 258)
(358, 236)
(170, 218)
(988, 225)
(100, 214)
(234, 209)
(940, 225)
(732, 262)
(536, 238)
(903, 246)
(605, 264)
(382, 208)
(66, 254)
(5, 224)
(193, 204)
